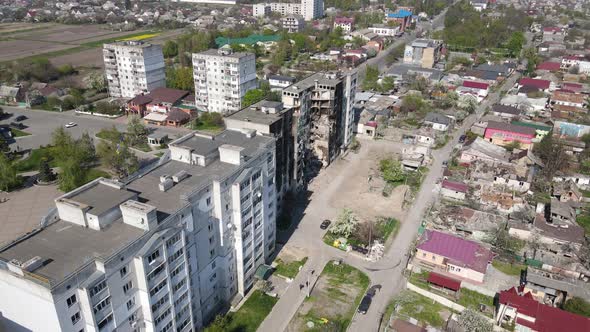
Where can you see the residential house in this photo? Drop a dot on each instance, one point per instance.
(376, 45)
(454, 190)
(504, 133)
(572, 87)
(555, 287)
(344, 23)
(581, 180)
(562, 213)
(423, 52)
(456, 256)
(564, 100)
(403, 16)
(493, 72)
(405, 72)
(578, 61)
(542, 85)
(479, 5)
(551, 234)
(521, 309)
(279, 82)
(503, 175)
(482, 150)
(438, 121)
(553, 34)
(526, 103)
(505, 111)
(549, 66)
(541, 129)
(564, 129)
(479, 126)
(11, 95)
(293, 23)
(478, 90)
(567, 191)
(384, 30)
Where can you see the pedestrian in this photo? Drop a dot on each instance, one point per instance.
(300, 286)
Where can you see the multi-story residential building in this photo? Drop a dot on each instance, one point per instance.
(344, 23)
(309, 9)
(270, 118)
(222, 78)
(133, 67)
(423, 52)
(323, 117)
(163, 251)
(293, 23)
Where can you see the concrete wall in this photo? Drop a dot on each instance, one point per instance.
(442, 300)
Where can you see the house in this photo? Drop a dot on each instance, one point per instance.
(423, 52)
(505, 111)
(176, 117)
(11, 95)
(542, 85)
(494, 72)
(384, 30)
(159, 100)
(482, 150)
(567, 191)
(564, 129)
(581, 180)
(479, 5)
(553, 34)
(561, 213)
(550, 234)
(505, 133)
(479, 90)
(578, 61)
(403, 16)
(479, 126)
(453, 255)
(549, 66)
(344, 23)
(516, 307)
(555, 287)
(157, 138)
(541, 129)
(454, 190)
(438, 121)
(576, 102)
(572, 87)
(403, 72)
(279, 82)
(525, 103)
(376, 45)
(138, 105)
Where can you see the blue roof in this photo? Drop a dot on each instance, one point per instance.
(400, 14)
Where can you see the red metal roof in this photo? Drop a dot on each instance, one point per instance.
(443, 281)
(456, 186)
(547, 318)
(540, 84)
(548, 65)
(476, 85)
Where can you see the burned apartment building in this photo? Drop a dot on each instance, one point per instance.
(323, 120)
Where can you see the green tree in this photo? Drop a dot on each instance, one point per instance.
(73, 157)
(514, 145)
(577, 306)
(371, 78)
(474, 322)
(118, 157)
(252, 97)
(180, 78)
(221, 323)
(346, 224)
(45, 172)
(87, 149)
(8, 174)
(391, 170)
(170, 49)
(96, 81)
(413, 103)
(553, 155)
(136, 131)
(515, 43)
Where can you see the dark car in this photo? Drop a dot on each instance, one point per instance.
(365, 304)
(20, 118)
(17, 125)
(325, 224)
(462, 138)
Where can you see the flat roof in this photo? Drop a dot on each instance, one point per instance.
(65, 246)
(215, 52)
(308, 82)
(100, 197)
(254, 114)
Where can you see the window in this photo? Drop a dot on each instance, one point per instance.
(163, 316)
(433, 257)
(127, 286)
(423, 254)
(123, 271)
(155, 272)
(102, 304)
(71, 300)
(157, 288)
(181, 298)
(98, 288)
(173, 240)
(213, 265)
(130, 303)
(75, 318)
(153, 256)
(213, 276)
(211, 252)
(177, 271)
(175, 256)
(167, 328)
(211, 240)
(160, 303)
(105, 321)
(208, 201)
(179, 285)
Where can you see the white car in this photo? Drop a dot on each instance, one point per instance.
(70, 124)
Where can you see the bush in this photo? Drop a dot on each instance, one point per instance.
(577, 306)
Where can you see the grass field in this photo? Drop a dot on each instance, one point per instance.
(32, 162)
(290, 269)
(507, 268)
(250, 315)
(421, 308)
(142, 37)
(18, 133)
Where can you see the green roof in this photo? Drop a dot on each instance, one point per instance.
(263, 272)
(532, 125)
(250, 40)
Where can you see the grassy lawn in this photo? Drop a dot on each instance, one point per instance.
(507, 268)
(289, 270)
(132, 36)
(388, 227)
(207, 127)
(584, 221)
(419, 279)
(251, 314)
(32, 162)
(159, 154)
(414, 305)
(18, 133)
(472, 299)
(95, 173)
(334, 299)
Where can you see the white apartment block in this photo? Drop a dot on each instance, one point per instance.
(222, 78)
(133, 67)
(384, 30)
(163, 251)
(293, 23)
(309, 9)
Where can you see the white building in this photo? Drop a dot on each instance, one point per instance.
(293, 23)
(133, 67)
(218, 2)
(222, 78)
(309, 9)
(163, 252)
(384, 30)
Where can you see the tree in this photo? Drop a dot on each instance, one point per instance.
(87, 149)
(345, 224)
(170, 49)
(371, 78)
(118, 157)
(387, 84)
(391, 170)
(8, 175)
(577, 306)
(45, 172)
(180, 78)
(553, 155)
(73, 157)
(219, 324)
(396, 53)
(136, 131)
(96, 80)
(412, 103)
(514, 44)
(514, 145)
(252, 97)
(473, 322)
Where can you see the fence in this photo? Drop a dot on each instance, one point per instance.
(444, 301)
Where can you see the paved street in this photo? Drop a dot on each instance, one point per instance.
(42, 123)
(388, 271)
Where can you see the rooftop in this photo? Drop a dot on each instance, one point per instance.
(254, 113)
(508, 127)
(99, 197)
(216, 52)
(505, 109)
(489, 149)
(437, 118)
(457, 250)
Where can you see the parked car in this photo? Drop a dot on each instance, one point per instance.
(17, 125)
(360, 249)
(20, 118)
(365, 304)
(462, 138)
(445, 163)
(70, 124)
(325, 224)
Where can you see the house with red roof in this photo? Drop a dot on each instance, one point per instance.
(516, 306)
(502, 134)
(572, 87)
(579, 61)
(478, 90)
(344, 23)
(555, 34)
(162, 106)
(454, 190)
(549, 66)
(452, 255)
(542, 85)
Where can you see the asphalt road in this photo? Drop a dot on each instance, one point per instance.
(40, 124)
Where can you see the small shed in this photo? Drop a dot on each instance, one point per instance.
(444, 282)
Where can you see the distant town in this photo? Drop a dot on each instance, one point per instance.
(312, 165)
